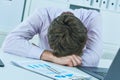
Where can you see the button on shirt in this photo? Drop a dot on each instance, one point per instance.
(17, 42)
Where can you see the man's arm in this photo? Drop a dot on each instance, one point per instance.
(93, 50)
(71, 60)
(17, 42)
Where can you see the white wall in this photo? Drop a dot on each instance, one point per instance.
(111, 27)
(33, 4)
(111, 32)
(10, 14)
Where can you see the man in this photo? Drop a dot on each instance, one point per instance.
(17, 42)
(67, 35)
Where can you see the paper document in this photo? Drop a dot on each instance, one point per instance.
(53, 72)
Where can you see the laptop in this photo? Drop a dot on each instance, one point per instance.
(113, 73)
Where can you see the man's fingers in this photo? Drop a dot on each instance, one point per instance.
(74, 62)
(71, 60)
(77, 60)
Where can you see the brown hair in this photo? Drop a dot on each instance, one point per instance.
(67, 35)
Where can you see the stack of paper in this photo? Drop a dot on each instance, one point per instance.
(52, 72)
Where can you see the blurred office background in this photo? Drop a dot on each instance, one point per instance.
(13, 12)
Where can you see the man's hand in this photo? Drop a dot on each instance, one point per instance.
(71, 60)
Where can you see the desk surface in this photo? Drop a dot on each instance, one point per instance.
(11, 72)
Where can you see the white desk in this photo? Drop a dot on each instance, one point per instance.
(11, 72)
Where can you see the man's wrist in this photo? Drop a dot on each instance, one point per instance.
(48, 56)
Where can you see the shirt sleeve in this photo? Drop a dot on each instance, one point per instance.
(94, 45)
(17, 42)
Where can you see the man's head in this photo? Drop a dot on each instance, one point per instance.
(67, 35)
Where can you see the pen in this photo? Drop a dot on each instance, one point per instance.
(52, 69)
